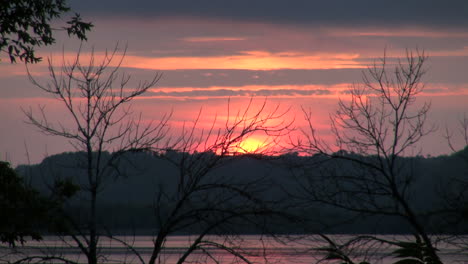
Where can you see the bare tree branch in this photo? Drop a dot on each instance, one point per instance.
(373, 129)
(97, 102)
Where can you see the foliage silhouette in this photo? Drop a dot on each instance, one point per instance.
(19, 204)
(25, 212)
(26, 25)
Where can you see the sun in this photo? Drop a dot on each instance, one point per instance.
(249, 145)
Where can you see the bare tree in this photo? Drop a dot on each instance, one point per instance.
(462, 132)
(373, 130)
(454, 193)
(97, 101)
(213, 205)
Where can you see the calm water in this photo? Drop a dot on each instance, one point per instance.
(258, 249)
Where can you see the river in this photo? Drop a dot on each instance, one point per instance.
(255, 248)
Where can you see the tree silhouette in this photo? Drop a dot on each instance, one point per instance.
(27, 213)
(213, 205)
(26, 25)
(380, 124)
(462, 131)
(96, 100)
(455, 193)
(19, 204)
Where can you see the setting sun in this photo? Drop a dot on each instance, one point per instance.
(249, 145)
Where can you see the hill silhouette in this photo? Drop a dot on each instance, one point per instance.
(126, 201)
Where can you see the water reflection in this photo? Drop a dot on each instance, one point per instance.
(257, 249)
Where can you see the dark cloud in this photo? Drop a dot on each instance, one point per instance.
(435, 90)
(338, 12)
(18, 87)
(241, 92)
(450, 70)
(237, 78)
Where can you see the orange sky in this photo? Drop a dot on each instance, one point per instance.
(205, 63)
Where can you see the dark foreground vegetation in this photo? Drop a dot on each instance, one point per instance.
(127, 202)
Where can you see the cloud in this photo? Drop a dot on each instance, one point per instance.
(333, 12)
(212, 39)
(255, 91)
(195, 39)
(205, 78)
(250, 60)
(397, 32)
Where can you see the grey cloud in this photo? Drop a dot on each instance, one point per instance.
(241, 92)
(441, 70)
(236, 78)
(451, 70)
(167, 38)
(341, 12)
(435, 90)
(18, 87)
(446, 71)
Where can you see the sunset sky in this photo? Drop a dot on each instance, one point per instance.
(295, 53)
